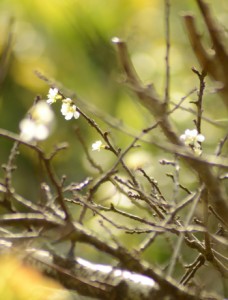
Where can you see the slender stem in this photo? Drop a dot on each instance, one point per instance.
(181, 236)
(167, 55)
(199, 102)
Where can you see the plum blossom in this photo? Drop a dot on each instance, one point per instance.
(69, 109)
(97, 146)
(30, 130)
(193, 139)
(37, 125)
(53, 95)
(41, 112)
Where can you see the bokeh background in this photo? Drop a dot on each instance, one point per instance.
(70, 42)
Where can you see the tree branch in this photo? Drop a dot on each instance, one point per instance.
(111, 282)
(153, 103)
(216, 65)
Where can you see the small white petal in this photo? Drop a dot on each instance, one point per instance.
(193, 133)
(41, 132)
(69, 116)
(53, 92)
(27, 128)
(64, 109)
(183, 137)
(38, 127)
(200, 138)
(50, 101)
(190, 133)
(76, 114)
(187, 132)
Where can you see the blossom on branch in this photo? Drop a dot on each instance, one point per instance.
(37, 125)
(30, 130)
(97, 146)
(53, 95)
(42, 113)
(69, 109)
(193, 139)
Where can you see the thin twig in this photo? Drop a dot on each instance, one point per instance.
(181, 237)
(167, 55)
(199, 101)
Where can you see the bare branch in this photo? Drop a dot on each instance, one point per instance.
(216, 64)
(151, 101)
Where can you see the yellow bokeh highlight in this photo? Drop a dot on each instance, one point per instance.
(20, 282)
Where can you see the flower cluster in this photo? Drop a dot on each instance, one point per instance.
(193, 139)
(37, 125)
(68, 109)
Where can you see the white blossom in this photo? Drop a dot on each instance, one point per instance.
(37, 125)
(69, 109)
(30, 130)
(193, 139)
(42, 112)
(97, 146)
(53, 95)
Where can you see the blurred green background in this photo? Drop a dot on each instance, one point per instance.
(70, 41)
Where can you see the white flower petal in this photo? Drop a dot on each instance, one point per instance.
(76, 114)
(200, 138)
(193, 133)
(53, 92)
(97, 146)
(64, 109)
(38, 126)
(183, 137)
(50, 101)
(69, 116)
(67, 101)
(27, 128)
(42, 112)
(41, 132)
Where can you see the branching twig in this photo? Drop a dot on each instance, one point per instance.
(181, 237)
(216, 65)
(151, 101)
(199, 101)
